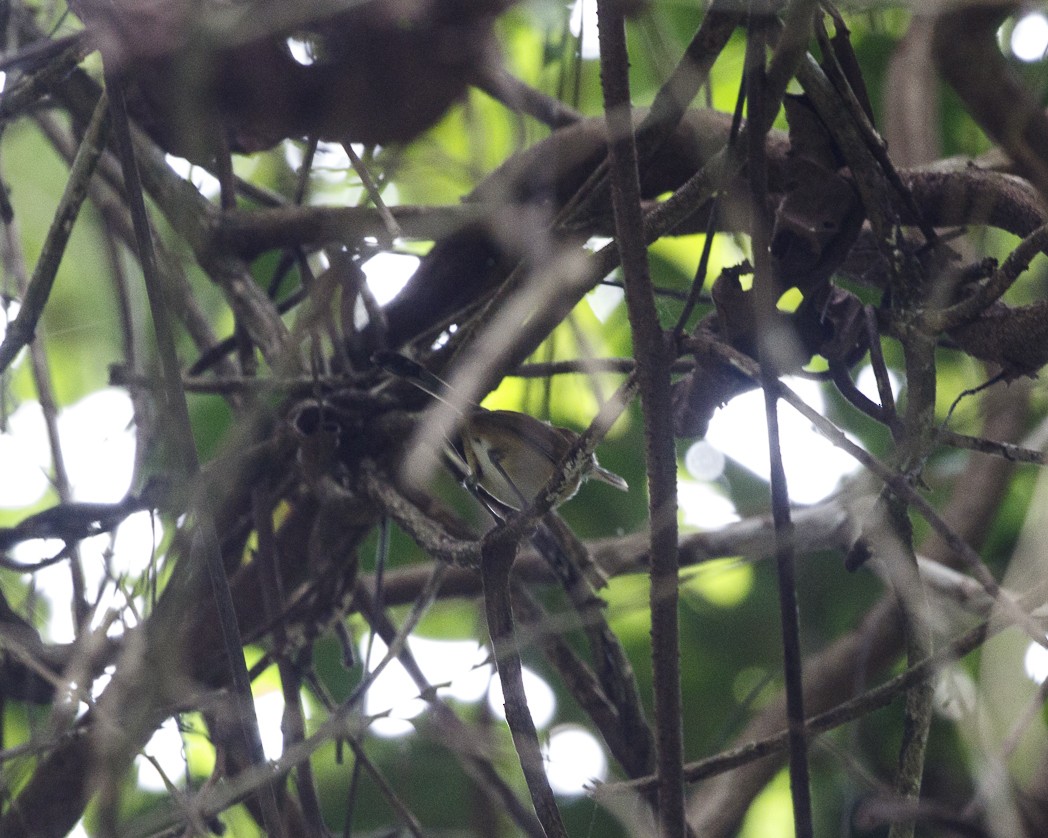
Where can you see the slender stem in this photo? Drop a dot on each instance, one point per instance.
(490, 781)
(15, 265)
(497, 560)
(896, 482)
(653, 364)
(766, 292)
(22, 330)
(848, 711)
(180, 429)
(917, 436)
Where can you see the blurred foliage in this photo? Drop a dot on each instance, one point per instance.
(730, 626)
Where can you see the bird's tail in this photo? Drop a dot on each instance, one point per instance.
(611, 478)
(413, 372)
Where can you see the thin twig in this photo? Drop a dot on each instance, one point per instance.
(856, 708)
(545, 369)
(416, 524)
(521, 97)
(766, 293)
(1006, 450)
(273, 600)
(23, 328)
(496, 561)
(616, 681)
(393, 230)
(453, 731)
(895, 481)
(916, 438)
(180, 429)
(106, 193)
(404, 814)
(15, 265)
(653, 363)
(992, 289)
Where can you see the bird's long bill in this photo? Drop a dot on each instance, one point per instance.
(611, 478)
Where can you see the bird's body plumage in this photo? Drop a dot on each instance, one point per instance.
(511, 456)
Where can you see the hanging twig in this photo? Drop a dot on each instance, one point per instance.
(766, 293)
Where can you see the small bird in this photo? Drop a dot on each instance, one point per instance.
(509, 456)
